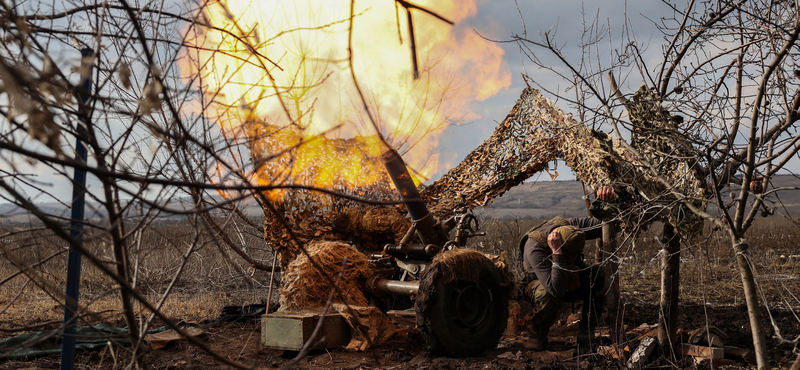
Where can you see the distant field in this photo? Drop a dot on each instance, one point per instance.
(212, 277)
(208, 276)
(545, 199)
(542, 199)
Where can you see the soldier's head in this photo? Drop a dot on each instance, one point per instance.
(572, 240)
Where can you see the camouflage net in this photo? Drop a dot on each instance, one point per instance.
(369, 326)
(537, 132)
(309, 213)
(306, 288)
(373, 227)
(656, 137)
(533, 134)
(509, 281)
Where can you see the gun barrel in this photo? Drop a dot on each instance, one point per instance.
(405, 185)
(425, 223)
(397, 287)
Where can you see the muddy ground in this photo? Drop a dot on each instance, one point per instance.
(240, 342)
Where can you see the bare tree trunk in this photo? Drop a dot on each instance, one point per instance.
(670, 288)
(613, 313)
(753, 310)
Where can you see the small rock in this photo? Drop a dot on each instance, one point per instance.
(640, 355)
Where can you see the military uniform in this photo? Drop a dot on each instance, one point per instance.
(556, 278)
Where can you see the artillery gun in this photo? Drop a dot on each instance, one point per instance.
(460, 300)
(459, 296)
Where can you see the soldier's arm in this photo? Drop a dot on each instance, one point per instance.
(549, 268)
(592, 227)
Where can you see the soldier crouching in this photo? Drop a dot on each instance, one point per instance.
(557, 273)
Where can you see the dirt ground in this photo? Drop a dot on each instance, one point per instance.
(240, 342)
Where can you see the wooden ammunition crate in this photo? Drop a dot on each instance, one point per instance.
(290, 330)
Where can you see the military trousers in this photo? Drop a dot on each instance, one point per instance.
(546, 306)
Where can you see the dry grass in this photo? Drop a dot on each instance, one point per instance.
(208, 281)
(709, 271)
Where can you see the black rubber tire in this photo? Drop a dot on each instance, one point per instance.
(462, 318)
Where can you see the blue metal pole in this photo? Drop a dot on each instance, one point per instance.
(76, 225)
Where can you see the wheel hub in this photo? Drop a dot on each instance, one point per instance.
(471, 308)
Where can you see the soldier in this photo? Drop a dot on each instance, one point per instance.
(553, 261)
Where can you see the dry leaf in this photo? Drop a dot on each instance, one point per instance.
(124, 73)
(150, 100)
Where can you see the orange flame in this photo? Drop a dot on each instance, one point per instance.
(277, 75)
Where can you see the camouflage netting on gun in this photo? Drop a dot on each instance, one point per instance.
(309, 214)
(536, 132)
(533, 134)
(307, 287)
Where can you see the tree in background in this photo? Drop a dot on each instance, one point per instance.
(147, 159)
(176, 125)
(725, 85)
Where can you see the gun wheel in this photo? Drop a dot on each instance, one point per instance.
(462, 310)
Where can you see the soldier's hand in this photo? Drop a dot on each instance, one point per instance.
(554, 241)
(605, 193)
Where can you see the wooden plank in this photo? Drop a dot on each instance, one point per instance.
(403, 313)
(290, 330)
(687, 349)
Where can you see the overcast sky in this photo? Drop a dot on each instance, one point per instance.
(501, 20)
